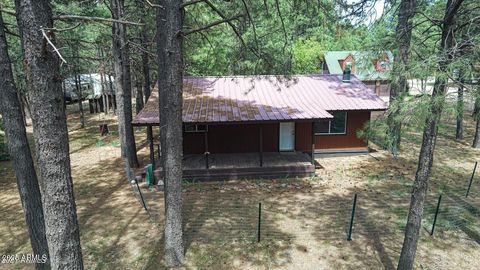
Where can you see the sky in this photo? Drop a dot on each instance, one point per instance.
(379, 8)
(375, 13)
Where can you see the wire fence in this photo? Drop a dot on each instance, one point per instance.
(213, 216)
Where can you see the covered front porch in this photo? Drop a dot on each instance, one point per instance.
(244, 165)
(261, 126)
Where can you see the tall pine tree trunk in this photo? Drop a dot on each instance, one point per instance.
(123, 83)
(50, 132)
(412, 230)
(104, 94)
(21, 96)
(27, 182)
(114, 94)
(22, 107)
(139, 95)
(161, 78)
(170, 80)
(145, 65)
(460, 108)
(147, 87)
(145, 61)
(399, 79)
(476, 139)
(476, 115)
(101, 70)
(78, 87)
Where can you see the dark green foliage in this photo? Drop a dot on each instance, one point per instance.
(288, 38)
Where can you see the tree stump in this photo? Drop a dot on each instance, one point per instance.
(103, 129)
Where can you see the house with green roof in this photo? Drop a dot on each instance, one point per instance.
(372, 68)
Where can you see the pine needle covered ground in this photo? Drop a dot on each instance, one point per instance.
(304, 222)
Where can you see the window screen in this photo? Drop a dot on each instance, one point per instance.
(322, 127)
(195, 128)
(336, 126)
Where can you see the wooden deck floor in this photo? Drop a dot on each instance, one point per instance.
(246, 165)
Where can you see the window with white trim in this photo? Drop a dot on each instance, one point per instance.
(195, 128)
(336, 126)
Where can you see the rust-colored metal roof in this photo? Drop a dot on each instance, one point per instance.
(265, 98)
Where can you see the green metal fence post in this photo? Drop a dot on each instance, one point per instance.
(259, 222)
(349, 238)
(471, 179)
(436, 214)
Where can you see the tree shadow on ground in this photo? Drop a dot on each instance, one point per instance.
(110, 217)
(220, 228)
(304, 222)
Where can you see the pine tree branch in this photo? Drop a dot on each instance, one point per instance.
(141, 48)
(277, 6)
(53, 45)
(254, 28)
(64, 29)
(8, 31)
(234, 28)
(193, 2)
(8, 11)
(212, 24)
(93, 19)
(153, 5)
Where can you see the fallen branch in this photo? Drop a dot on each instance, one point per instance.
(53, 46)
(212, 24)
(92, 19)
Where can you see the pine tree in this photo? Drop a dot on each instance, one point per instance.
(41, 65)
(27, 182)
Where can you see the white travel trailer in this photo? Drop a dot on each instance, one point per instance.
(90, 87)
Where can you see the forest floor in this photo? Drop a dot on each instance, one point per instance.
(304, 221)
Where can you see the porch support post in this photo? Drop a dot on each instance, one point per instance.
(152, 150)
(206, 148)
(150, 144)
(260, 131)
(313, 144)
(159, 153)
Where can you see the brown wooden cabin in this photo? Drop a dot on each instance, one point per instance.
(267, 126)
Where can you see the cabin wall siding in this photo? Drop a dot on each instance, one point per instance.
(245, 138)
(355, 121)
(303, 136)
(193, 143)
(379, 87)
(384, 88)
(233, 138)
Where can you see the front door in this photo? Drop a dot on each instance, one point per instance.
(287, 136)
